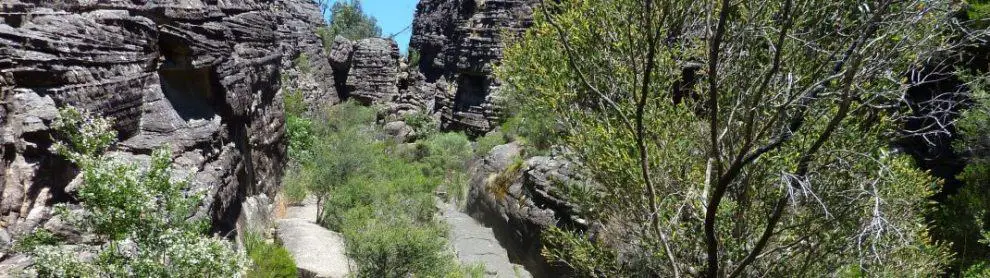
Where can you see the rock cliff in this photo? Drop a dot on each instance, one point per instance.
(203, 77)
(459, 42)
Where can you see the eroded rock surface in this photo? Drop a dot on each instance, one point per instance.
(520, 199)
(201, 77)
(461, 41)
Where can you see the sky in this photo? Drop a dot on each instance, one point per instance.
(393, 16)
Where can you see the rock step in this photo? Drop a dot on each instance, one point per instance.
(474, 243)
(318, 252)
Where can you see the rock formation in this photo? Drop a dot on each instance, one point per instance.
(521, 199)
(201, 77)
(459, 41)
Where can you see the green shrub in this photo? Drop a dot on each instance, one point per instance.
(381, 196)
(398, 249)
(487, 142)
(294, 185)
(269, 260)
(141, 215)
(422, 123)
(302, 63)
(979, 12)
(413, 57)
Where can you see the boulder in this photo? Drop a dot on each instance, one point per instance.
(400, 131)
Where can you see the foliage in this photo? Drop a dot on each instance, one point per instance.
(381, 196)
(979, 12)
(725, 153)
(302, 63)
(294, 184)
(298, 129)
(269, 260)
(38, 237)
(444, 157)
(487, 142)
(422, 123)
(586, 257)
(535, 129)
(397, 249)
(413, 57)
(349, 20)
(964, 217)
(141, 214)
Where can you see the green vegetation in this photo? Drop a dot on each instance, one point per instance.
(302, 63)
(964, 218)
(269, 260)
(740, 139)
(140, 216)
(380, 195)
(349, 20)
(979, 12)
(413, 57)
(487, 142)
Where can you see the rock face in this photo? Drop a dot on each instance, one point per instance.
(305, 61)
(520, 200)
(200, 77)
(459, 41)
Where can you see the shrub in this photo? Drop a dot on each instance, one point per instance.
(413, 57)
(398, 249)
(294, 185)
(302, 63)
(422, 123)
(487, 142)
(142, 215)
(269, 260)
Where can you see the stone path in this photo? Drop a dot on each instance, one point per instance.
(318, 252)
(474, 243)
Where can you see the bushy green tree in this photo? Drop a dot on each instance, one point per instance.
(735, 138)
(349, 20)
(140, 216)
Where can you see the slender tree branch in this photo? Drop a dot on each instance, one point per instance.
(711, 241)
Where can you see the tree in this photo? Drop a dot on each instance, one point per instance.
(735, 138)
(348, 19)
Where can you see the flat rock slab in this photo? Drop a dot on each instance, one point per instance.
(476, 244)
(318, 252)
(306, 210)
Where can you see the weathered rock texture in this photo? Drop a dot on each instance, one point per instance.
(305, 61)
(201, 77)
(460, 41)
(519, 201)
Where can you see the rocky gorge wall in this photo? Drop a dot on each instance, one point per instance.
(459, 43)
(203, 77)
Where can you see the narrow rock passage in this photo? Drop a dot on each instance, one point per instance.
(318, 252)
(474, 244)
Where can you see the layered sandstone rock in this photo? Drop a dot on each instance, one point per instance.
(200, 77)
(519, 200)
(461, 41)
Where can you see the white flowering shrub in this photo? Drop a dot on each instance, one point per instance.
(140, 216)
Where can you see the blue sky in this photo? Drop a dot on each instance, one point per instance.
(393, 16)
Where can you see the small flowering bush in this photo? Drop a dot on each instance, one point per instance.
(141, 217)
